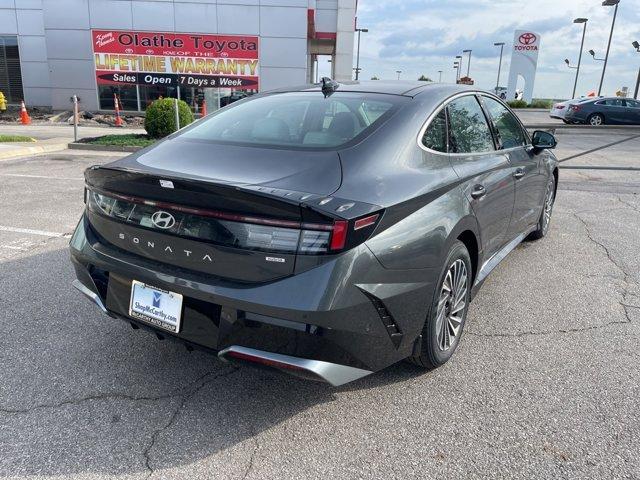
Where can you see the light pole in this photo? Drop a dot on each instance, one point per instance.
(608, 3)
(584, 31)
(456, 65)
(501, 45)
(459, 61)
(359, 30)
(440, 72)
(469, 63)
(636, 45)
(398, 72)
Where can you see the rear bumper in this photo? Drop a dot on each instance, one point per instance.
(349, 312)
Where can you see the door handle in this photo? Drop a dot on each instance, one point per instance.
(478, 191)
(519, 173)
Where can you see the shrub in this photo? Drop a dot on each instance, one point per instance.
(546, 104)
(517, 104)
(160, 117)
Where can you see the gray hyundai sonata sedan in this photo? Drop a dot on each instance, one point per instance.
(328, 231)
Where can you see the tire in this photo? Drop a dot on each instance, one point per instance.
(566, 122)
(595, 119)
(438, 344)
(547, 209)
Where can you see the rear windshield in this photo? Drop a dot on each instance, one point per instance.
(297, 120)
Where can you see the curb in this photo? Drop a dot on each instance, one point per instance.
(43, 146)
(103, 148)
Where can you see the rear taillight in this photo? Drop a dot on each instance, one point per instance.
(559, 107)
(575, 108)
(235, 230)
(339, 235)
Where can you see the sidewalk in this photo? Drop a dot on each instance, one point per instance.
(19, 149)
(52, 131)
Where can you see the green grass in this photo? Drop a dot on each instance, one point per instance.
(126, 140)
(15, 138)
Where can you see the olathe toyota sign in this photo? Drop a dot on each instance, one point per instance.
(193, 60)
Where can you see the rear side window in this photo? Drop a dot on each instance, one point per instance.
(305, 120)
(612, 103)
(508, 128)
(435, 137)
(468, 128)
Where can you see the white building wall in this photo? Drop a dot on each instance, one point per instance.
(24, 18)
(55, 37)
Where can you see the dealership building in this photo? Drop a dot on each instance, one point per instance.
(141, 50)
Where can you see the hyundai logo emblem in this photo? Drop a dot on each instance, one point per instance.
(163, 220)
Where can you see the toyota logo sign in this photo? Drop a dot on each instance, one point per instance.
(527, 42)
(528, 38)
(163, 220)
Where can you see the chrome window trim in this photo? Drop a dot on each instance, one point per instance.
(450, 99)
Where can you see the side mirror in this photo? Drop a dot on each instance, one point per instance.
(543, 140)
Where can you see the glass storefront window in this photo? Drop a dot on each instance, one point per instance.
(129, 95)
(10, 73)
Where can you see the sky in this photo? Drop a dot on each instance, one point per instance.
(424, 36)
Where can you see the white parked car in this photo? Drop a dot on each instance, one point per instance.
(559, 110)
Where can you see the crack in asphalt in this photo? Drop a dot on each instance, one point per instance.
(102, 396)
(185, 395)
(624, 292)
(628, 204)
(252, 457)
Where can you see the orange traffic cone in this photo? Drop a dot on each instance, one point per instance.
(25, 119)
(204, 108)
(117, 107)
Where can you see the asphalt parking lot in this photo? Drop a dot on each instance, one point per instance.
(545, 383)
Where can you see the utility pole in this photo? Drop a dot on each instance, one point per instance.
(359, 30)
(469, 63)
(501, 45)
(584, 31)
(608, 3)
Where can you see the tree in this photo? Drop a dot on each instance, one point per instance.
(424, 79)
(374, 78)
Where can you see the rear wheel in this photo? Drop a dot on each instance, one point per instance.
(547, 210)
(596, 119)
(445, 322)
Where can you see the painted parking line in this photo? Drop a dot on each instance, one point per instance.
(42, 233)
(47, 177)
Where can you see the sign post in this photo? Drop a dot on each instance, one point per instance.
(524, 63)
(75, 118)
(177, 113)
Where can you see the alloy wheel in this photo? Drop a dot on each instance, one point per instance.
(452, 304)
(596, 120)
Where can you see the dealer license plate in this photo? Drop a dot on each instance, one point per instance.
(155, 306)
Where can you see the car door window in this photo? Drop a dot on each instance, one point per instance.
(508, 129)
(633, 103)
(468, 128)
(435, 137)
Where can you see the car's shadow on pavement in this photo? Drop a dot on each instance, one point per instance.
(82, 393)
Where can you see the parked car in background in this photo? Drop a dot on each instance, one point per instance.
(559, 109)
(604, 111)
(328, 231)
